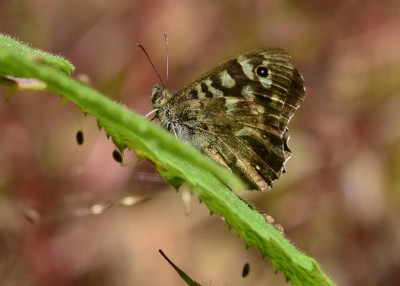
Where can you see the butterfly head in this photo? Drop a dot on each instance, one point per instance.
(159, 96)
(157, 93)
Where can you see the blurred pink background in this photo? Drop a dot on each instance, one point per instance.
(339, 201)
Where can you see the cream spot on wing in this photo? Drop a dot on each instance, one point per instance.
(246, 67)
(226, 80)
(276, 98)
(196, 105)
(266, 63)
(248, 92)
(230, 104)
(243, 131)
(200, 93)
(260, 108)
(265, 82)
(213, 90)
(257, 167)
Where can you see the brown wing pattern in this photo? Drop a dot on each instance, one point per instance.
(238, 114)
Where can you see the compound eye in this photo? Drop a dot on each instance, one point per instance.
(156, 93)
(262, 71)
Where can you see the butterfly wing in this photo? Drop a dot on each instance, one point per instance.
(238, 114)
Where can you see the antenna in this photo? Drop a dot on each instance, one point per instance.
(166, 56)
(147, 55)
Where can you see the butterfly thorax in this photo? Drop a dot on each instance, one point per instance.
(168, 113)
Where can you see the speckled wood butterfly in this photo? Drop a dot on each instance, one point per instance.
(238, 113)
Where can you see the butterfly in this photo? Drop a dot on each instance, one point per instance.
(237, 113)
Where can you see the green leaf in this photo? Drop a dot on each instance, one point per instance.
(10, 44)
(176, 161)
